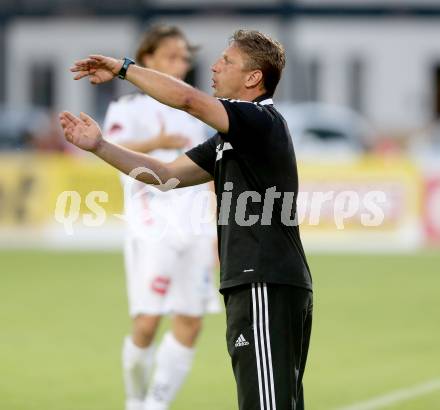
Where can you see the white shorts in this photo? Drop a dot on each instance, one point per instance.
(168, 276)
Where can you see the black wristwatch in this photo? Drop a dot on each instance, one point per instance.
(123, 71)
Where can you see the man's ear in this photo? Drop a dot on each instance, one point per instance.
(254, 79)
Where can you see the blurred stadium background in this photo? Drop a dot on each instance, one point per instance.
(361, 93)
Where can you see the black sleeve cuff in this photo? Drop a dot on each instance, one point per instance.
(193, 155)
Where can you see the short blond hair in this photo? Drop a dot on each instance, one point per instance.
(264, 53)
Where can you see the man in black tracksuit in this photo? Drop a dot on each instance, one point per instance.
(265, 278)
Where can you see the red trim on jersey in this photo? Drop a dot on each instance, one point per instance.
(115, 128)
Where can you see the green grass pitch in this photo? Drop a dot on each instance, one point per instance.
(63, 317)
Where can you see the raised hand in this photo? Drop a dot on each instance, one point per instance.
(99, 69)
(83, 132)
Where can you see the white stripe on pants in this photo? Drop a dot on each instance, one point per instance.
(263, 352)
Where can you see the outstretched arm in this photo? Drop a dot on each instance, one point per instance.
(162, 87)
(85, 133)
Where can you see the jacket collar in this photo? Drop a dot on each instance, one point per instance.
(264, 99)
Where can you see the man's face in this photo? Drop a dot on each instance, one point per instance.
(229, 74)
(171, 57)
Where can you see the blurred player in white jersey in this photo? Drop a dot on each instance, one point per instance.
(176, 278)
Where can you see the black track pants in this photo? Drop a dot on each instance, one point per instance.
(268, 334)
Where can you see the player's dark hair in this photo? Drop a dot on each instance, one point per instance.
(264, 53)
(155, 35)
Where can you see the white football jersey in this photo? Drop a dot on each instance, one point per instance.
(148, 211)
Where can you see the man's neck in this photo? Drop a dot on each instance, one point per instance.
(252, 96)
(262, 97)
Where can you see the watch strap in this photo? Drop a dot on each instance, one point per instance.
(123, 71)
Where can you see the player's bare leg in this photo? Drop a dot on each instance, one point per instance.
(138, 358)
(186, 329)
(173, 361)
(144, 329)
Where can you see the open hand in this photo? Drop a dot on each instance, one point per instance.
(83, 132)
(99, 69)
